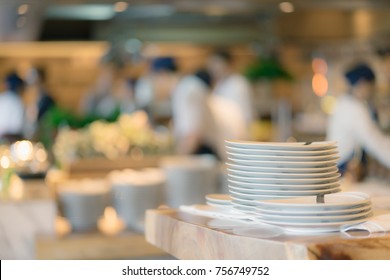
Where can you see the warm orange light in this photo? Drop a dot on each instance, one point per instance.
(120, 6)
(286, 7)
(23, 9)
(110, 223)
(5, 162)
(319, 66)
(320, 84)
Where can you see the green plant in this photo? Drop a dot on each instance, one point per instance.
(267, 69)
(57, 117)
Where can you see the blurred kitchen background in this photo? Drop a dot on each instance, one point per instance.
(293, 54)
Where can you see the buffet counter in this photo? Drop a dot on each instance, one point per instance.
(188, 236)
(31, 212)
(29, 229)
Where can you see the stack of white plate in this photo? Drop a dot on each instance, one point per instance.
(263, 170)
(305, 214)
(219, 200)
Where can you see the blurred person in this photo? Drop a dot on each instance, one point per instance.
(44, 100)
(11, 108)
(153, 92)
(202, 122)
(124, 93)
(353, 124)
(38, 100)
(231, 85)
(100, 100)
(193, 124)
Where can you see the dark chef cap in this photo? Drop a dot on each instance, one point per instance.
(164, 64)
(14, 82)
(360, 72)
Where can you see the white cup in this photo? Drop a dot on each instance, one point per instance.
(135, 192)
(83, 202)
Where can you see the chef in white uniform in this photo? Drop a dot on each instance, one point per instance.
(11, 107)
(231, 86)
(202, 122)
(193, 123)
(352, 123)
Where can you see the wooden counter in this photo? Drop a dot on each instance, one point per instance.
(187, 236)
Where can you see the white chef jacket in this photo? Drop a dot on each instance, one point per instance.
(352, 126)
(214, 118)
(190, 110)
(237, 89)
(11, 114)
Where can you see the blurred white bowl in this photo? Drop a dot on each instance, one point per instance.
(83, 202)
(134, 192)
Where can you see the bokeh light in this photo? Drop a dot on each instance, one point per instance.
(320, 84)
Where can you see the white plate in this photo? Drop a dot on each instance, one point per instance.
(245, 192)
(265, 152)
(219, 203)
(282, 187)
(290, 146)
(286, 164)
(272, 158)
(314, 227)
(265, 196)
(285, 181)
(289, 212)
(213, 212)
(248, 209)
(225, 206)
(218, 198)
(255, 203)
(343, 200)
(317, 171)
(314, 219)
(275, 175)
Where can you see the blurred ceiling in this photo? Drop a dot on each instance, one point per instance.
(204, 21)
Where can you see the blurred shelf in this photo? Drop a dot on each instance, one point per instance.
(97, 166)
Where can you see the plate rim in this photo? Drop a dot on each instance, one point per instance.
(286, 191)
(280, 186)
(296, 180)
(319, 205)
(315, 144)
(291, 169)
(283, 174)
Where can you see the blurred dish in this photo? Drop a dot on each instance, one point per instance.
(246, 193)
(293, 146)
(315, 171)
(265, 152)
(286, 181)
(283, 187)
(286, 164)
(344, 200)
(273, 158)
